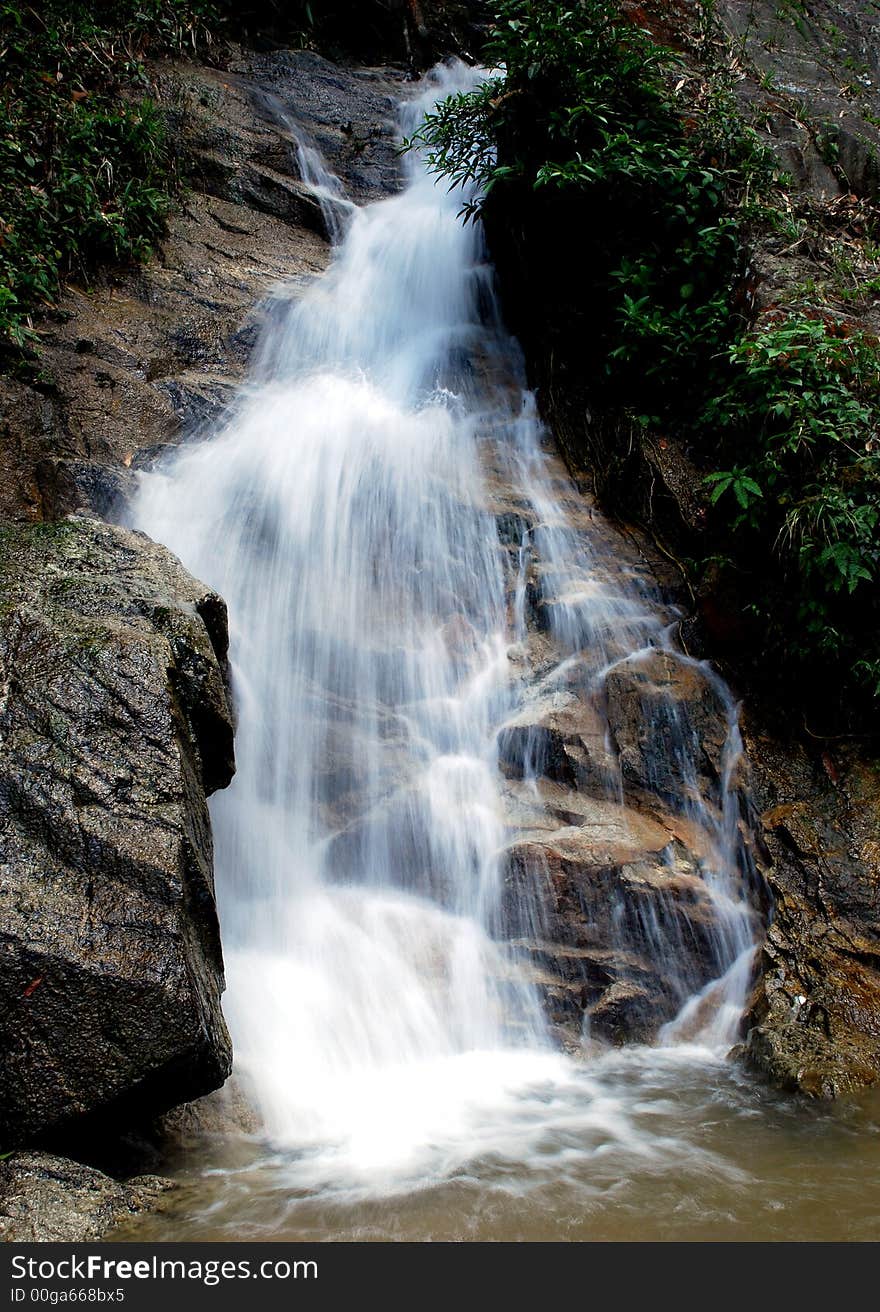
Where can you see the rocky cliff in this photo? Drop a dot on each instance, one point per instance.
(805, 78)
(130, 363)
(614, 786)
(814, 1020)
(115, 719)
(116, 725)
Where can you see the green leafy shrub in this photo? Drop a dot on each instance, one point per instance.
(596, 139)
(585, 118)
(85, 166)
(800, 408)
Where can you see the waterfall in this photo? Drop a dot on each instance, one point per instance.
(380, 608)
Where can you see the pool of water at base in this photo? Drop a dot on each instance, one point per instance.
(641, 1144)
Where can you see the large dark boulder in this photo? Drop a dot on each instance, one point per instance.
(114, 725)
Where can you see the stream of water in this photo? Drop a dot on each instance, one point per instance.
(404, 1077)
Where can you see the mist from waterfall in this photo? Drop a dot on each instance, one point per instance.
(384, 1026)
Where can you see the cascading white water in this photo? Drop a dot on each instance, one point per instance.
(343, 512)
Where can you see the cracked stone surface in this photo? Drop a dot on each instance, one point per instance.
(114, 726)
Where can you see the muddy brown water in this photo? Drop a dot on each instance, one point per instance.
(680, 1151)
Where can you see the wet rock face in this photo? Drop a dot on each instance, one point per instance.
(348, 113)
(47, 1199)
(815, 1016)
(652, 697)
(827, 60)
(614, 779)
(114, 725)
(620, 928)
(114, 721)
(150, 354)
(807, 78)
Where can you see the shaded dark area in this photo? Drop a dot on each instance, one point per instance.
(635, 203)
(414, 32)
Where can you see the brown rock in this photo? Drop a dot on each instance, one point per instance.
(559, 737)
(662, 710)
(614, 912)
(148, 354)
(815, 1017)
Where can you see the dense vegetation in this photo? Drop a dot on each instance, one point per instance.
(85, 167)
(598, 141)
(87, 170)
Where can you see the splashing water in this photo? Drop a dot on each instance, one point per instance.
(349, 513)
